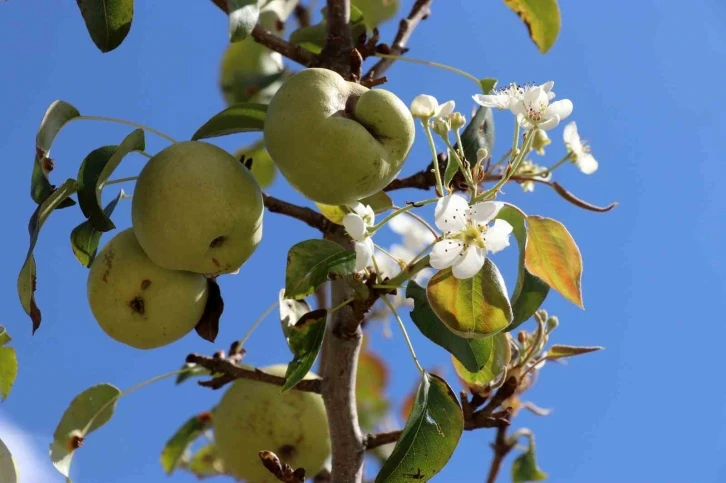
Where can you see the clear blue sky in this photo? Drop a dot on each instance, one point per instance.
(644, 78)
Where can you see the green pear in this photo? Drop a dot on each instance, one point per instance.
(197, 208)
(138, 303)
(253, 416)
(337, 141)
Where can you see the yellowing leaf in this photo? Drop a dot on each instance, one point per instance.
(542, 18)
(553, 256)
(379, 202)
(499, 356)
(472, 308)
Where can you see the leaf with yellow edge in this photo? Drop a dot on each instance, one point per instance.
(542, 18)
(499, 356)
(552, 255)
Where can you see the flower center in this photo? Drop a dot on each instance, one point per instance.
(473, 235)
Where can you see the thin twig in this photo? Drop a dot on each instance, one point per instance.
(306, 215)
(420, 11)
(230, 371)
(501, 449)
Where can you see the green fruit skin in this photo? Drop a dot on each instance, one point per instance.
(336, 141)
(197, 208)
(253, 416)
(138, 303)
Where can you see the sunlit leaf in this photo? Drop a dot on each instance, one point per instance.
(475, 307)
(8, 370)
(92, 408)
(472, 353)
(530, 291)
(562, 351)
(524, 467)
(8, 469)
(379, 202)
(243, 16)
(499, 353)
(107, 21)
(4, 336)
(431, 434)
(553, 256)
(310, 262)
(542, 18)
(183, 438)
(305, 340)
(238, 118)
(85, 238)
(263, 168)
(27, 276)
(58, 114)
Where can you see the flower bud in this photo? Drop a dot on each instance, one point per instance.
(424, 106)
(457, 120)
(442, 127)
(540, 141)
(481, 154)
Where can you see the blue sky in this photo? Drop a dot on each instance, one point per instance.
(644, 78)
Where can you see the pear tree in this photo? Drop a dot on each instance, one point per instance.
(311, 83)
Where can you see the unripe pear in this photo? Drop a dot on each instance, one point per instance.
(197, 208)
(337, 141)
(138, 303)
(253, 416)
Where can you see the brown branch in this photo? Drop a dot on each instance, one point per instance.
(273, 42)
(231, 372)
(420, 11)
(302, 14)
(501, 449)
(306, 215)
(338, 43)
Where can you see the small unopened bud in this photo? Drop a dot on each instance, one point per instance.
(424, 106)
(457, 120)
(442, 127)
(481, 154)
(522, 337)
(552, 323)
(540, 141)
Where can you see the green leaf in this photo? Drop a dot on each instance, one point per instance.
(530, 291)
(191, 373)
(8, 370)
(478, 134)
(452, 167)
(488, 84)
(553, 256)
(58, 114)
(431, 434)
(263, 168)
(95, 405)
(524, 467)
(310, 262)
(305, 340)
(85, 238)
(291, 311)
(206, 462)
(107, 21)
(542, 18)
(243, 16)
(499, 356)
(4, 336)
(8, 469)
(238, 118)
(375, 12)
(26, 278)
(472, 353)
(95, 170)
(182, 439)
(562, 351)
(473, 308)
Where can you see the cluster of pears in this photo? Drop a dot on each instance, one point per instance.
(196, 212)
(253, 416)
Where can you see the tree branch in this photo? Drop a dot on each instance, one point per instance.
(273, 42)
(501, 449)
(420, 11)
(231, 372)
(338, 43)
(343, 341)
(306, 215)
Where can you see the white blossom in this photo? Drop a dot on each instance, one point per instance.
(426, 107)
(356, 224)
(580, 151)
(535, 109)
(467, 235)
(507, 97)
(531, 170)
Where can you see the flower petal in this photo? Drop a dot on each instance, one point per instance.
(424, 106)
(355, 226)
(451, 213)
(445, 253)
(562, 109)
(497, 237)
(469, 263)
(445, 109)
(363, 254)
(572, 137)
(587, 163)
(550, 123)
(485, 211)
(497, 101)
(547, 87)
